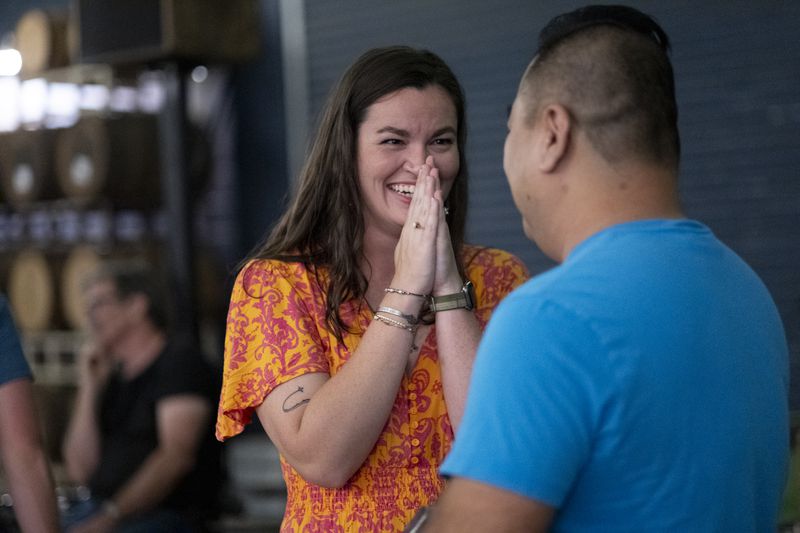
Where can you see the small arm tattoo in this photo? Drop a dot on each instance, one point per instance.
(295, 405)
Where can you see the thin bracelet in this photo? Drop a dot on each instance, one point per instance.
(411, 319)
(406, 293)
(395, 323)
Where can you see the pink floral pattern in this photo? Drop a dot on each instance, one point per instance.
(276, 332)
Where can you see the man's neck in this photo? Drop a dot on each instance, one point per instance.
(616, 200)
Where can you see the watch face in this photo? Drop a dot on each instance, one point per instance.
(469, 292)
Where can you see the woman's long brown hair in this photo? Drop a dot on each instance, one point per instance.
(324, 225)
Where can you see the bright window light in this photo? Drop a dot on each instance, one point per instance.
(33, 101)
(123, 99)
(10, 62)
(64, 101)
(9, 104)
(94, 97)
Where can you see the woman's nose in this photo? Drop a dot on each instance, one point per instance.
(418, 154)
(418, 157)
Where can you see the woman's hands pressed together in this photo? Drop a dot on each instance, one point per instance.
(424, 259)
(425, 262)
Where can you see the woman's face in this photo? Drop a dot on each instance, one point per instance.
(399, 130)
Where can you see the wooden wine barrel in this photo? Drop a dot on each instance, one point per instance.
(116, 158)
(32, 291)
(42, 40)
(79, 262)
(113, 158)
(45, 289)
(26, 169)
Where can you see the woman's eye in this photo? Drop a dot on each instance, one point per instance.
(444, 141)
(391, 141)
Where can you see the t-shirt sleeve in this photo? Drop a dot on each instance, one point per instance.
(533, 402)
(495, 274)
(184, 371)
(12, 360)
(271, 337)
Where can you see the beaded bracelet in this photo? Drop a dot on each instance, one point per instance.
(395, 323)
(411, 319)
(406, 293)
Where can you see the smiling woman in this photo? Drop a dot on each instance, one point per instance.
(331, 338)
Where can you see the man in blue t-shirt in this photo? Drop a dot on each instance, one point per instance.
(642, 384)
(22, 454)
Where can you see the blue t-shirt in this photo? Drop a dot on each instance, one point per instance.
(640, 386)
(12, 360)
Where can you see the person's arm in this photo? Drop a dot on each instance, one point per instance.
(24, 460)
(81, 446)
(325, 426)
(457, 336)
(468, 506)
(182, 420)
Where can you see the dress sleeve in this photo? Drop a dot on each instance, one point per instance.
(494, 273)
(271, 337)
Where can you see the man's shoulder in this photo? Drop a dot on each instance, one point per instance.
(184, 365)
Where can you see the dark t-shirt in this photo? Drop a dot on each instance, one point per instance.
(129, 428)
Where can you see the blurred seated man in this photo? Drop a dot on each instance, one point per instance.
(23, 458)
(140, 436)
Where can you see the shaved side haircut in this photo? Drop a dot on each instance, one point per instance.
(610, 69)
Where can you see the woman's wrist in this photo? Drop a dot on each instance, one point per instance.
(411, 285)
(410, 304)
(451, 286)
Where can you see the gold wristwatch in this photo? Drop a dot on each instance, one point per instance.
(464, 299)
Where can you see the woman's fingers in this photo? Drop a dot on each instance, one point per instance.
(423, 203)
(415, 255)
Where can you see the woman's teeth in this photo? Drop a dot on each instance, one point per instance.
(405, 190)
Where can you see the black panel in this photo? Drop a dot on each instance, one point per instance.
(122, 29)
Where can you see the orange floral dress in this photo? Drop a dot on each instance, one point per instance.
(276, 332)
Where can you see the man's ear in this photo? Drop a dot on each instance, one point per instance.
(556, 132)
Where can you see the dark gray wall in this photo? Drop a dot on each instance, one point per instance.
(737, 66)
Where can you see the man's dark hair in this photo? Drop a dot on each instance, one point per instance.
(609, 66)
(623, 17)
(136, 276)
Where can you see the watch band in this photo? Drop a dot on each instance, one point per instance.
(463, 299)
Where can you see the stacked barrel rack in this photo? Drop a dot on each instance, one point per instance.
(73, 195)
